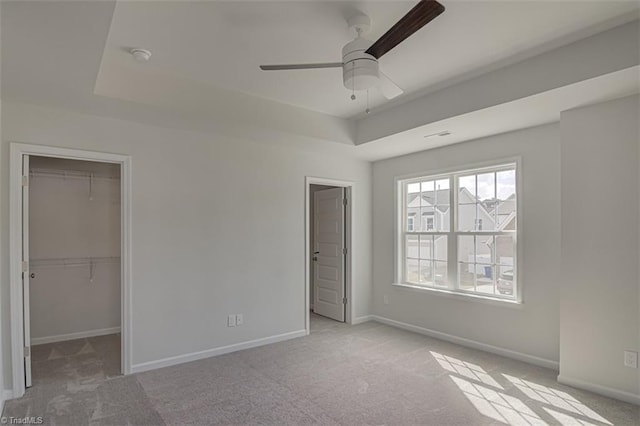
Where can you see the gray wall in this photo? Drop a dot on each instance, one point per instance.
(218, 227)
(532, 328)
(599, 310)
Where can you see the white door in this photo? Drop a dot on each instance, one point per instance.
(25, 271)
(329, 265)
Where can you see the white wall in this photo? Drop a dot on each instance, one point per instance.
(532, 328)
(599, 310)
(73, 217)
(218, 227)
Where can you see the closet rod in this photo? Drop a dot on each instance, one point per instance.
(72, 261)
(70, 174)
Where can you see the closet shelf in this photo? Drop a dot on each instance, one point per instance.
(71, 174)
(71, 261)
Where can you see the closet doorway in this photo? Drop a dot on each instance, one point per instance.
(72, 296)
(71, 293)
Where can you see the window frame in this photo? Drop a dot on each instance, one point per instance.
(453, 174)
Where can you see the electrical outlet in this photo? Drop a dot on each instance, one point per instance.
(231, 321)
(631, 359)
(239, 319)
(385, 299)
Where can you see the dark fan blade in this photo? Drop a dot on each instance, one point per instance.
(418, 17)
(300, 66)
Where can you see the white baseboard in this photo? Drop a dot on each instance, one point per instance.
(71, 336)
(531, 359)
(360, 320)
(194, 356)
(599, 389)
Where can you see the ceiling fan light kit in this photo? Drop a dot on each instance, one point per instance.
(360, 68)
(360, 71)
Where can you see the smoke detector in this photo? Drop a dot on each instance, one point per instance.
(141, 55)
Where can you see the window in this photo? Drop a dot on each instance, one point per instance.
(410, 222)
(466, 241)
(428, 221)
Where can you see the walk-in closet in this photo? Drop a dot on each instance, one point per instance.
(74, 285)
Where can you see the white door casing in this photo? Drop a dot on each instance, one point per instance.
(329, 257)
(25, 271)
(17, 151)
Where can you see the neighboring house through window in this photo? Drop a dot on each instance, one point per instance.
(467, 239)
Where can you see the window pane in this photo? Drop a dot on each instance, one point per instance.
(506, 283)
(427, 218)
(413, 209)
(505, 250)
(485, 278)
(506, 194)
(466, 251)
(413, 188)
(506, 184)
(467, 217)
(467, 187)
(412, 250)
(440, 247)
(442, 219)
(486, 190)
(441, 278)
(484, 249)
(442, 192)
(426, 247)
(413, 271)
(466, 276)
(426, 272)
(428, 195)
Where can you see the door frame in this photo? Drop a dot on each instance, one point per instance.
(17, 150)
(350, 189)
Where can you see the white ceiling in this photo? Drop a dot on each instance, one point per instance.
(221, 44)
(63, 55)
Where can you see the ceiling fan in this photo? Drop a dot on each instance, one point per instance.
(360, 70)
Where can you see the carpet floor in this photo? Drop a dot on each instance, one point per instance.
(339, 375)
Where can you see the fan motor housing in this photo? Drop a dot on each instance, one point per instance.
(359, 70)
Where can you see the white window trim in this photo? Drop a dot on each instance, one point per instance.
(471, 168)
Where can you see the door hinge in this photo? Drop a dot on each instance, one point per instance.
(344, 250)
(344, 300)
(344, 201)
(25, 266)
(27, 351)
(25, 180)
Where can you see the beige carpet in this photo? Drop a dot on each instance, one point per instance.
(340, 374)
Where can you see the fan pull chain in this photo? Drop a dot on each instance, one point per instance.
(367, 110)
(353, 81)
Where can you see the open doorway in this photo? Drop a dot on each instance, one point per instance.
(328, 260)
(69, 256)
(72, 300)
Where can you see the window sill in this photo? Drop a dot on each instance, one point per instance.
(467, 297)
